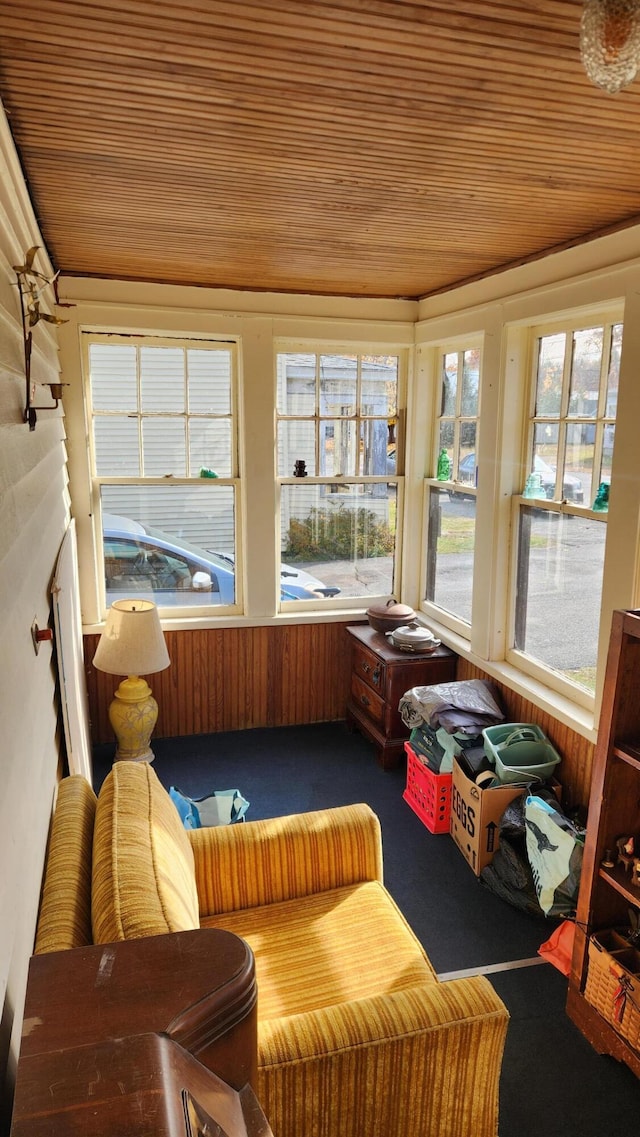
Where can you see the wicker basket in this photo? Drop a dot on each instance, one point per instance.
(613, 984)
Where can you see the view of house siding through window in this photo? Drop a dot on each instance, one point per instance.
(452, 502)
(561, 539)
(337, 464)
(164, 464)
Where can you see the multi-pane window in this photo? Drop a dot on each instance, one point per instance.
(561, 540)
(337, 460)
(573, 426)
(165, 462)
(452, 504)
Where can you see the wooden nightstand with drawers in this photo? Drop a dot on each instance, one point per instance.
(380, 675)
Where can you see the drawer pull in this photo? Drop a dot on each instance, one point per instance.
(366, 668)
(365, 701)
(376, 675)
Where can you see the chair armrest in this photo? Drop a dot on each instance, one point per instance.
(436, 1048)
(263, 862)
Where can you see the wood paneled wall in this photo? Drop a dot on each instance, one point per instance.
(577, 752)
(238, 678)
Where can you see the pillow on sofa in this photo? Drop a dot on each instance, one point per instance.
(143, 869)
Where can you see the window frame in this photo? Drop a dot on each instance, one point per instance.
(458, 345)
(317, 347)
(97, 481)
(607, 318)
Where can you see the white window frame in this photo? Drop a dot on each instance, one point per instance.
(604, 317)
(457, 345)
(324, 347)
(140, 339)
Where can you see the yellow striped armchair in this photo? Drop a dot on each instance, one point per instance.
(356, 1035)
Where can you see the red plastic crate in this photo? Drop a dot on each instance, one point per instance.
(428, 794)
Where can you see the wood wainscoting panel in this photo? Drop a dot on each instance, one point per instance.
(577, 752)
(236, 679)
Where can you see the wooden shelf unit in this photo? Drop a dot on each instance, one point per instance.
(606, 894)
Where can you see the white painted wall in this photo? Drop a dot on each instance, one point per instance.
(33, 518)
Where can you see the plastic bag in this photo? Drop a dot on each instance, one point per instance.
(467, 705)
(438, 748)
(222, 807)
(558, 949)
(554, 848)
(509, 874)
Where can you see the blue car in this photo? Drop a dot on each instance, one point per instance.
(140, 561)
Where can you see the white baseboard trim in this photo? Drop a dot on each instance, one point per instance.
(491, 968)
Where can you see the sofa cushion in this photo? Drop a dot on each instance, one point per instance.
(327, 948)
(143, 870)
(65, 911)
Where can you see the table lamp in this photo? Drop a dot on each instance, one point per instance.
(132, 644)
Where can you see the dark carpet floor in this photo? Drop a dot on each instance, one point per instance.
(553, 1082)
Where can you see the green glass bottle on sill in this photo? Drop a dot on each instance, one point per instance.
(601, 503)
(443, 472)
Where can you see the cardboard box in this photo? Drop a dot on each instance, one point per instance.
(475, 817)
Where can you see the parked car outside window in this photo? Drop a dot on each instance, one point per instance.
(140, 560)
(571, 487)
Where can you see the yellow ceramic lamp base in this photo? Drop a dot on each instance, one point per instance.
(133, 715)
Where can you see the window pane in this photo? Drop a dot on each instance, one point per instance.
(560, 565)
(338, 384)
(379, 385)
(162, 379)
(468, 432)
(585, 372)
(114, 385)
(373, 447)
(296, 379)
(549, 376)
(296, 442)
(343, 535)
(607, 452)
(209, 381)
(338, 452)
(210, 447)
(450, 552)
(163, 445)
(447, 434)
(545, 455)
(175, 542)
(470, 382)
(579, 458)
(117, 451)
(449, 383)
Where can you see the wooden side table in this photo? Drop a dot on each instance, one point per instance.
(196, 987)
(380, 675)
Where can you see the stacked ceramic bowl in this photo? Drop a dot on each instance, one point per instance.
(413, 638)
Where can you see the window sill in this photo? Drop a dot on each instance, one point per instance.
(281, 619)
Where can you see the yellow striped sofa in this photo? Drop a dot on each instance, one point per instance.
(356, 1035)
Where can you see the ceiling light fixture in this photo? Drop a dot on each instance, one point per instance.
(610, 42)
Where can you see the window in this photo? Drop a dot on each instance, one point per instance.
(338, 447)
(561, 539)
(165, 462)
(452, 497)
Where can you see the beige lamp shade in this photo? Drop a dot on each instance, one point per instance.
(132, 642)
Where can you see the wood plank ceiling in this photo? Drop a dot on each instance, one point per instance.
(347, 147)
